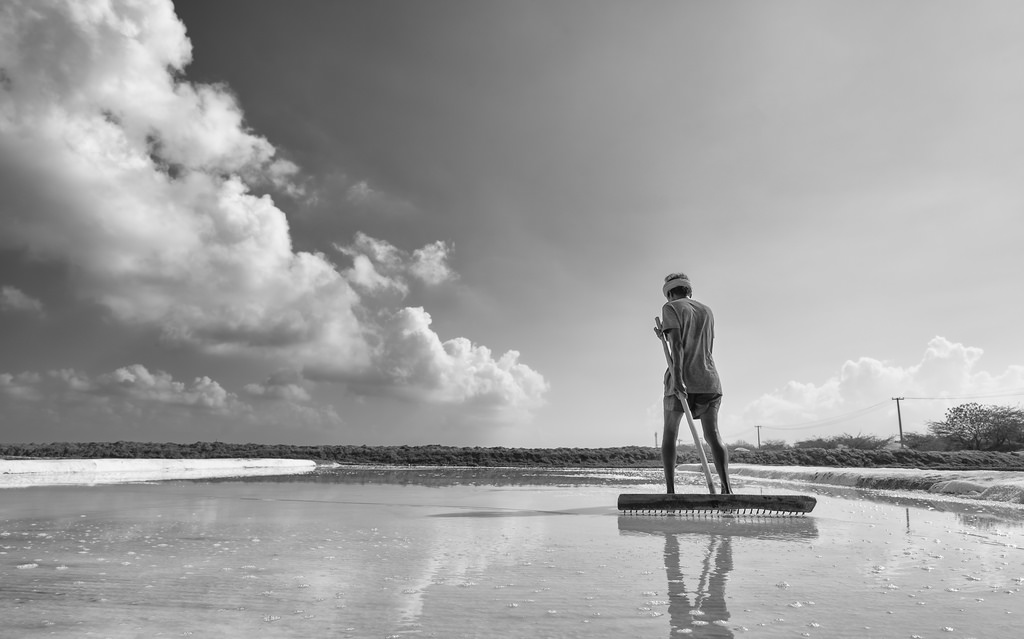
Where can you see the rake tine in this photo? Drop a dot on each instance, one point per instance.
(703, 505)
(710, 513)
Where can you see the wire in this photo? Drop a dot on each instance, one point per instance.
(1014, 394)
(831, 420)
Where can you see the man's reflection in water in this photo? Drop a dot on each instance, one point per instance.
(706, 613)
(698, 561)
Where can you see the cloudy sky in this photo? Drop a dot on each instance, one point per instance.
(395, 222)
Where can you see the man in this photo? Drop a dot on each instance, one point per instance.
(689, 328)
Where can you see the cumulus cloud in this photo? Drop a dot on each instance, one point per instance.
(133, 384)
(430, 263)
(121, 400)
(21, 386)
(946, 370)
(379, 266)
(143, 183)
(138, 383)
(455, 370)
(13, 300)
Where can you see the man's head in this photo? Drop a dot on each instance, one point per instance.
(677, 286)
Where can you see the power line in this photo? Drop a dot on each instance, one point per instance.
(829, 421)
(1014, 394)
(832, 420)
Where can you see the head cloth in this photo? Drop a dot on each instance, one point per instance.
(675, 283)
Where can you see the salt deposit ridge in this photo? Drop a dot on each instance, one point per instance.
(991, 485)
(53, 472)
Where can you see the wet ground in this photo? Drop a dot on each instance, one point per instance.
(511, 553)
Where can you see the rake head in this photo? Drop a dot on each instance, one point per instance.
(716, 505)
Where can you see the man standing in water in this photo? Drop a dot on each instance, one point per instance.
(689, 328)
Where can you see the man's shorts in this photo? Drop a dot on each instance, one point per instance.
(700, 403)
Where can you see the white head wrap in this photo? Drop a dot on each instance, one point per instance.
(675, 283)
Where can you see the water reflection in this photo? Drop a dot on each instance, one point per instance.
(980, 520)
(973, 513)
(441, 477)
(699, 559)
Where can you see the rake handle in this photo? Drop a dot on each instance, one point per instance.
(686, 408)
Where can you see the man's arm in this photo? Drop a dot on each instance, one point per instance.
(675, 348)
(672, 331)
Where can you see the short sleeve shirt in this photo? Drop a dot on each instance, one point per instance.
(696, 326)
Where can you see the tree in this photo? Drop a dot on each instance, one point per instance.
(976, 427)
(924, 441)
(862, 442)
(846, 440)
(817, 442)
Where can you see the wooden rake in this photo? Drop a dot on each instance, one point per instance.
(711, 504)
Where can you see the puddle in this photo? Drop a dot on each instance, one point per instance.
(496, 552)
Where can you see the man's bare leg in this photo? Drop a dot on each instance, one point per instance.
(668, 448)
(709, 422)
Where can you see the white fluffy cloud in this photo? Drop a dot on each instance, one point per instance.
(378, 266)
(143, 183)
(129, 385)
(455, 370)
(138, 383)
(946, 370)
(119, 402)
(14, 300)
(430, 263)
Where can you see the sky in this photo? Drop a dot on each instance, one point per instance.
(392, 222)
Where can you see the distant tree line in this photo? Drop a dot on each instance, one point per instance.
(965, 427)
(970, 436)
(434, 455)
(428, 455)
(857, 442)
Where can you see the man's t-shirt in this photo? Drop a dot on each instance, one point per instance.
(696, 326)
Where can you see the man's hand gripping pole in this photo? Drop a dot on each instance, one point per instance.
(686, 406)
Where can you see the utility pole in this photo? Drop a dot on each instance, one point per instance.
(758, 436)
(655, 439)
(900, 418)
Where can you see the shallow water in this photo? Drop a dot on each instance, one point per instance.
(511, 553)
